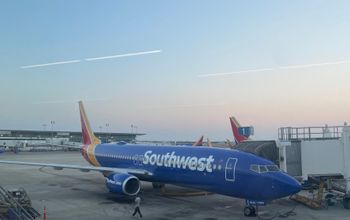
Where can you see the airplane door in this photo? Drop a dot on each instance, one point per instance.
(230, 169)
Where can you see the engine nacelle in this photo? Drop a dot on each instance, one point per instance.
(124, 184)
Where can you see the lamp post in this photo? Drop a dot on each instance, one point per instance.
(107, 126)
(100, 127)
(52, 123)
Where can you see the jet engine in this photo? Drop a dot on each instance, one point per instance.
(124, 184)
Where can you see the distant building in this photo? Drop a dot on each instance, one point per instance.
(13, 137)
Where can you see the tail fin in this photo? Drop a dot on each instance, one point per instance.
(88, 135)
(229, 143)
(199, 142)
(235, 125)
(209, 143)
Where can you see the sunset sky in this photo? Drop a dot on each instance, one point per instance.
(285, 63)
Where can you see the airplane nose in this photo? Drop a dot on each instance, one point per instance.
(290, 185)
(293, 186)
(285, 185)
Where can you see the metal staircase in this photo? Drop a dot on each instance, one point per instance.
(17, 211)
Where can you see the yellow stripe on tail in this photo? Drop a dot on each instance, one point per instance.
(89, 139)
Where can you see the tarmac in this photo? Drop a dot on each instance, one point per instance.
(71, 194)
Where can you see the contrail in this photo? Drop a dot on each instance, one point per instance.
(93, 58)
(123, 55)
(231, 73)
(315, 64)
(277, 68)
(50, 64)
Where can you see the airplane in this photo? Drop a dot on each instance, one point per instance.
(219, 170)
(199, 142)
(238, 131)
(229, 143)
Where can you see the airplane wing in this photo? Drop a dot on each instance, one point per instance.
(79, 167)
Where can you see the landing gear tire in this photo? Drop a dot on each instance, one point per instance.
(249, 211)
(346, 203)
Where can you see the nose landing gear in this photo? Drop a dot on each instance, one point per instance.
(251, 208)
(249, 211)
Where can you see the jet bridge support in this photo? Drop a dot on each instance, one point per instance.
(346, 142)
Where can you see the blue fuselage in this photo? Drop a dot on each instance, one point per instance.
(223, 171)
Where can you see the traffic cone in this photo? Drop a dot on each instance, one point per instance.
(44, 213)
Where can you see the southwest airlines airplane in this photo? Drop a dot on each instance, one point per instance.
(235, 130)
(223, 171)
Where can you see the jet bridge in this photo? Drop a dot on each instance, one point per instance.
(321, 153)
(265, 149)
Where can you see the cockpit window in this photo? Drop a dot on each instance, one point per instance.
(254, 168)
(263, 168)
(272, 168)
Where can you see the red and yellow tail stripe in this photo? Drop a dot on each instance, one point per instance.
(89, 139)
(235, 125)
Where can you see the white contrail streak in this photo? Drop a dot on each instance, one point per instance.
(277, 68)
(123, 55)
(231, 73)
(50, 64)
(93, 58)
(314, 64)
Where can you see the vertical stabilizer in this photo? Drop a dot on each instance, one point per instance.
(199, 142)
(209, 143)
(88, 136)
(229, 143)
(235, 125)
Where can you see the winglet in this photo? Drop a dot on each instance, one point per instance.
(235, 125)
(88, 135)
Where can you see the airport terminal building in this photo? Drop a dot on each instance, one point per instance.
(17, 138)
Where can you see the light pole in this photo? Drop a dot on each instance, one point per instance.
(100, 127)
(107, 125)
(132, 128)
(52, 123)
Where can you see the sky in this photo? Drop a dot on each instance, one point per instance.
(286, 63)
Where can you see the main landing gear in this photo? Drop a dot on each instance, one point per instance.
(249, 211)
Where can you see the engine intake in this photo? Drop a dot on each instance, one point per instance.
(122, 183)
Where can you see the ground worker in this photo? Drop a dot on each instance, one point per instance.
(137, 206)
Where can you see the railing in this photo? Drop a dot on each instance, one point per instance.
(17, 209)
(309, 133)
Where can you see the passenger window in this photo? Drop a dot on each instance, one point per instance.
(263, 168)
(254, 168)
